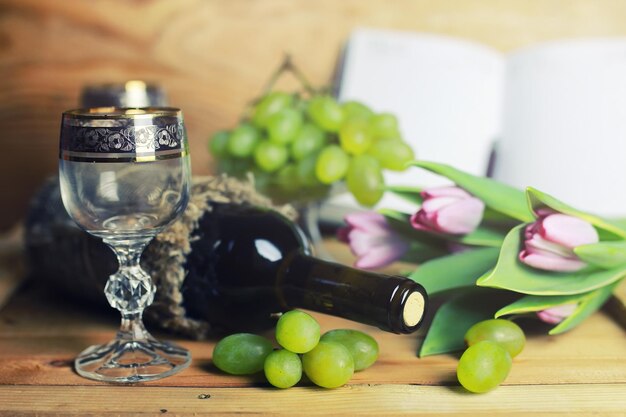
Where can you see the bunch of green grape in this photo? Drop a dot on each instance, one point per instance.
(328, 360)
(296, 147)
(487, 361)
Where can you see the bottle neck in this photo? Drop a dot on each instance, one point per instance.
(392, 303)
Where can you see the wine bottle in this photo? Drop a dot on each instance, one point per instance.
(245, 264)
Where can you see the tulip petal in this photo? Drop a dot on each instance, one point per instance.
(449, 191)
(369, 220)
(382, 255)
(568, 231)
(555, 315)
(539, 245)
(433, 204)
(462, 217)
(361, 241)
(550, 262)
(421, 221)
(343, 234)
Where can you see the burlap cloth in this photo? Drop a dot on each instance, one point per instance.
(166, 256)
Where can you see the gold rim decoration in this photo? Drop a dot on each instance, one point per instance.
(120, 157)
(104, 113)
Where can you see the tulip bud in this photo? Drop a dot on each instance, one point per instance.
(448, 210)
(372, 240)
(555, 315)
(550, 242)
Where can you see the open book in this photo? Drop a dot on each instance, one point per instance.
(553, 114)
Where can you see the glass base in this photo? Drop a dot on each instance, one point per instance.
(131, 361)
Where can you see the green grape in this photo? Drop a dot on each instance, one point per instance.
(483, 366)
(392, 154)
(287, 178)
(218, 144)
(297, 331)
(504, 332)
(270, 104)
(356, 110)
(241, 353)
(283, 369)
(329, 364)
(262, 179)
(365, 180)
(362, 347)
(284, 125)
(384, 125)
(243, 139)
(309, 139)
(355, 137)
(306, 171)
(270, 156)
(332, 164)
(326, 113)
(235, 167)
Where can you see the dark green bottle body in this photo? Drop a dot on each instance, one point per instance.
(260, 265)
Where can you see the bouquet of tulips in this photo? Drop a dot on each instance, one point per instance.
(496, 251)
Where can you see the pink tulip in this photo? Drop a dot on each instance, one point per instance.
(550, 242)
(555, 315)
(448, 210)
(372, 240)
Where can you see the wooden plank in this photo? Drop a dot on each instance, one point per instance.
(378, 400)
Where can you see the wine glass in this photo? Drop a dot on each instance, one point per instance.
(125, 175)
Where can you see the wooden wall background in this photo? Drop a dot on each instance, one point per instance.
(213, 56)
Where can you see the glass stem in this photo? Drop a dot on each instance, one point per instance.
(130, 289)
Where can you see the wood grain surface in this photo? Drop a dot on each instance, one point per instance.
(40, 335)
(378, 400)
(214, 56)
(581, 373)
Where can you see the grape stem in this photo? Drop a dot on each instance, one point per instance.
(287, 65)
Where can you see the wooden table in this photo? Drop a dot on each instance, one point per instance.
(581, 373)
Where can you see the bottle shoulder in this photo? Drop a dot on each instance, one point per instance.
(264, 228)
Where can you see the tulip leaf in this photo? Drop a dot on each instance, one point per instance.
(497, 196)
(511, 274)
(408, 193)
(401, 223)
(454, 317)
(603, 254)
(539, 200)
(533, 303)
(396, 217)
(455, 271)
(587, 303)
(422, 245)
(424, 251)
(621, 222)
(587, 306)
(482, 236)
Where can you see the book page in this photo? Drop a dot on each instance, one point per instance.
(564, 126)
(446, 93)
